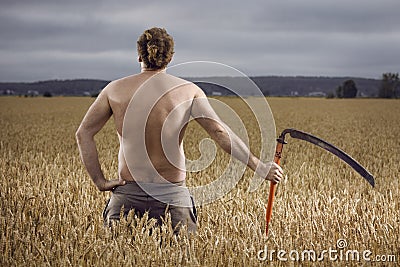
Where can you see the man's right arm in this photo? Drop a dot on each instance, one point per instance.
(205, 115)
(95, 118)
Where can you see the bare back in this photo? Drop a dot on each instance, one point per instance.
(170, 99)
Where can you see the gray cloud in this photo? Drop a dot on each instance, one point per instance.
(97, 39)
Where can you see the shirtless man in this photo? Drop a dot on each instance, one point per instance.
(162, 104)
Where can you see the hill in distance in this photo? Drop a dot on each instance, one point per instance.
(269, 85)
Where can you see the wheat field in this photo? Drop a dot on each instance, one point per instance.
(51, 211)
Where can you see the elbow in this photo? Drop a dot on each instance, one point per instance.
(220, 133)
(80, 135)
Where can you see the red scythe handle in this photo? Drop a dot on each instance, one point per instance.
(272, 187)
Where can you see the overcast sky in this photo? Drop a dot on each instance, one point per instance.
(49, 39)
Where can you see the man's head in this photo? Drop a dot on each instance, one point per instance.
(155, 48)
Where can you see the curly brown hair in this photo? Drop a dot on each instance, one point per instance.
(155, 47)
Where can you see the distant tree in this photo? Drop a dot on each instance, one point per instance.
(47, 94)
(339, 91)
(330, 95)
(347, 90)
(389, 85)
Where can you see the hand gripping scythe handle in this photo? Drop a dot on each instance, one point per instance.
(277, 159)
(318, 142)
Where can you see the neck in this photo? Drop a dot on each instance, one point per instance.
(152, 70)
(146, 69)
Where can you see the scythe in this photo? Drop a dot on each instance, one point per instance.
(316, 141)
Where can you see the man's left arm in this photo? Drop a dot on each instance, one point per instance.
(94, 120)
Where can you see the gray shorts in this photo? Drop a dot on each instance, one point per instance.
(157, 200)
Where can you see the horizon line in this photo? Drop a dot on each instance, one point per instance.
(196, 77)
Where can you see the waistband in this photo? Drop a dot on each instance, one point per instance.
(173, 193)
(155, 190)
(180, 183)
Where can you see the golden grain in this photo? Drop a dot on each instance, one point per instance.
(51, 212)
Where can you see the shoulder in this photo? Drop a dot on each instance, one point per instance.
(189, 86)
(109, 87)
(120, 83)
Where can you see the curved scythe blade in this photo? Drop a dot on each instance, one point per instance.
(334, 150)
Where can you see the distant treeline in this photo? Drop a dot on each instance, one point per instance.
(76, 87)
(269, 86)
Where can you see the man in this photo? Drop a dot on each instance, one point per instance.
(160, 106)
